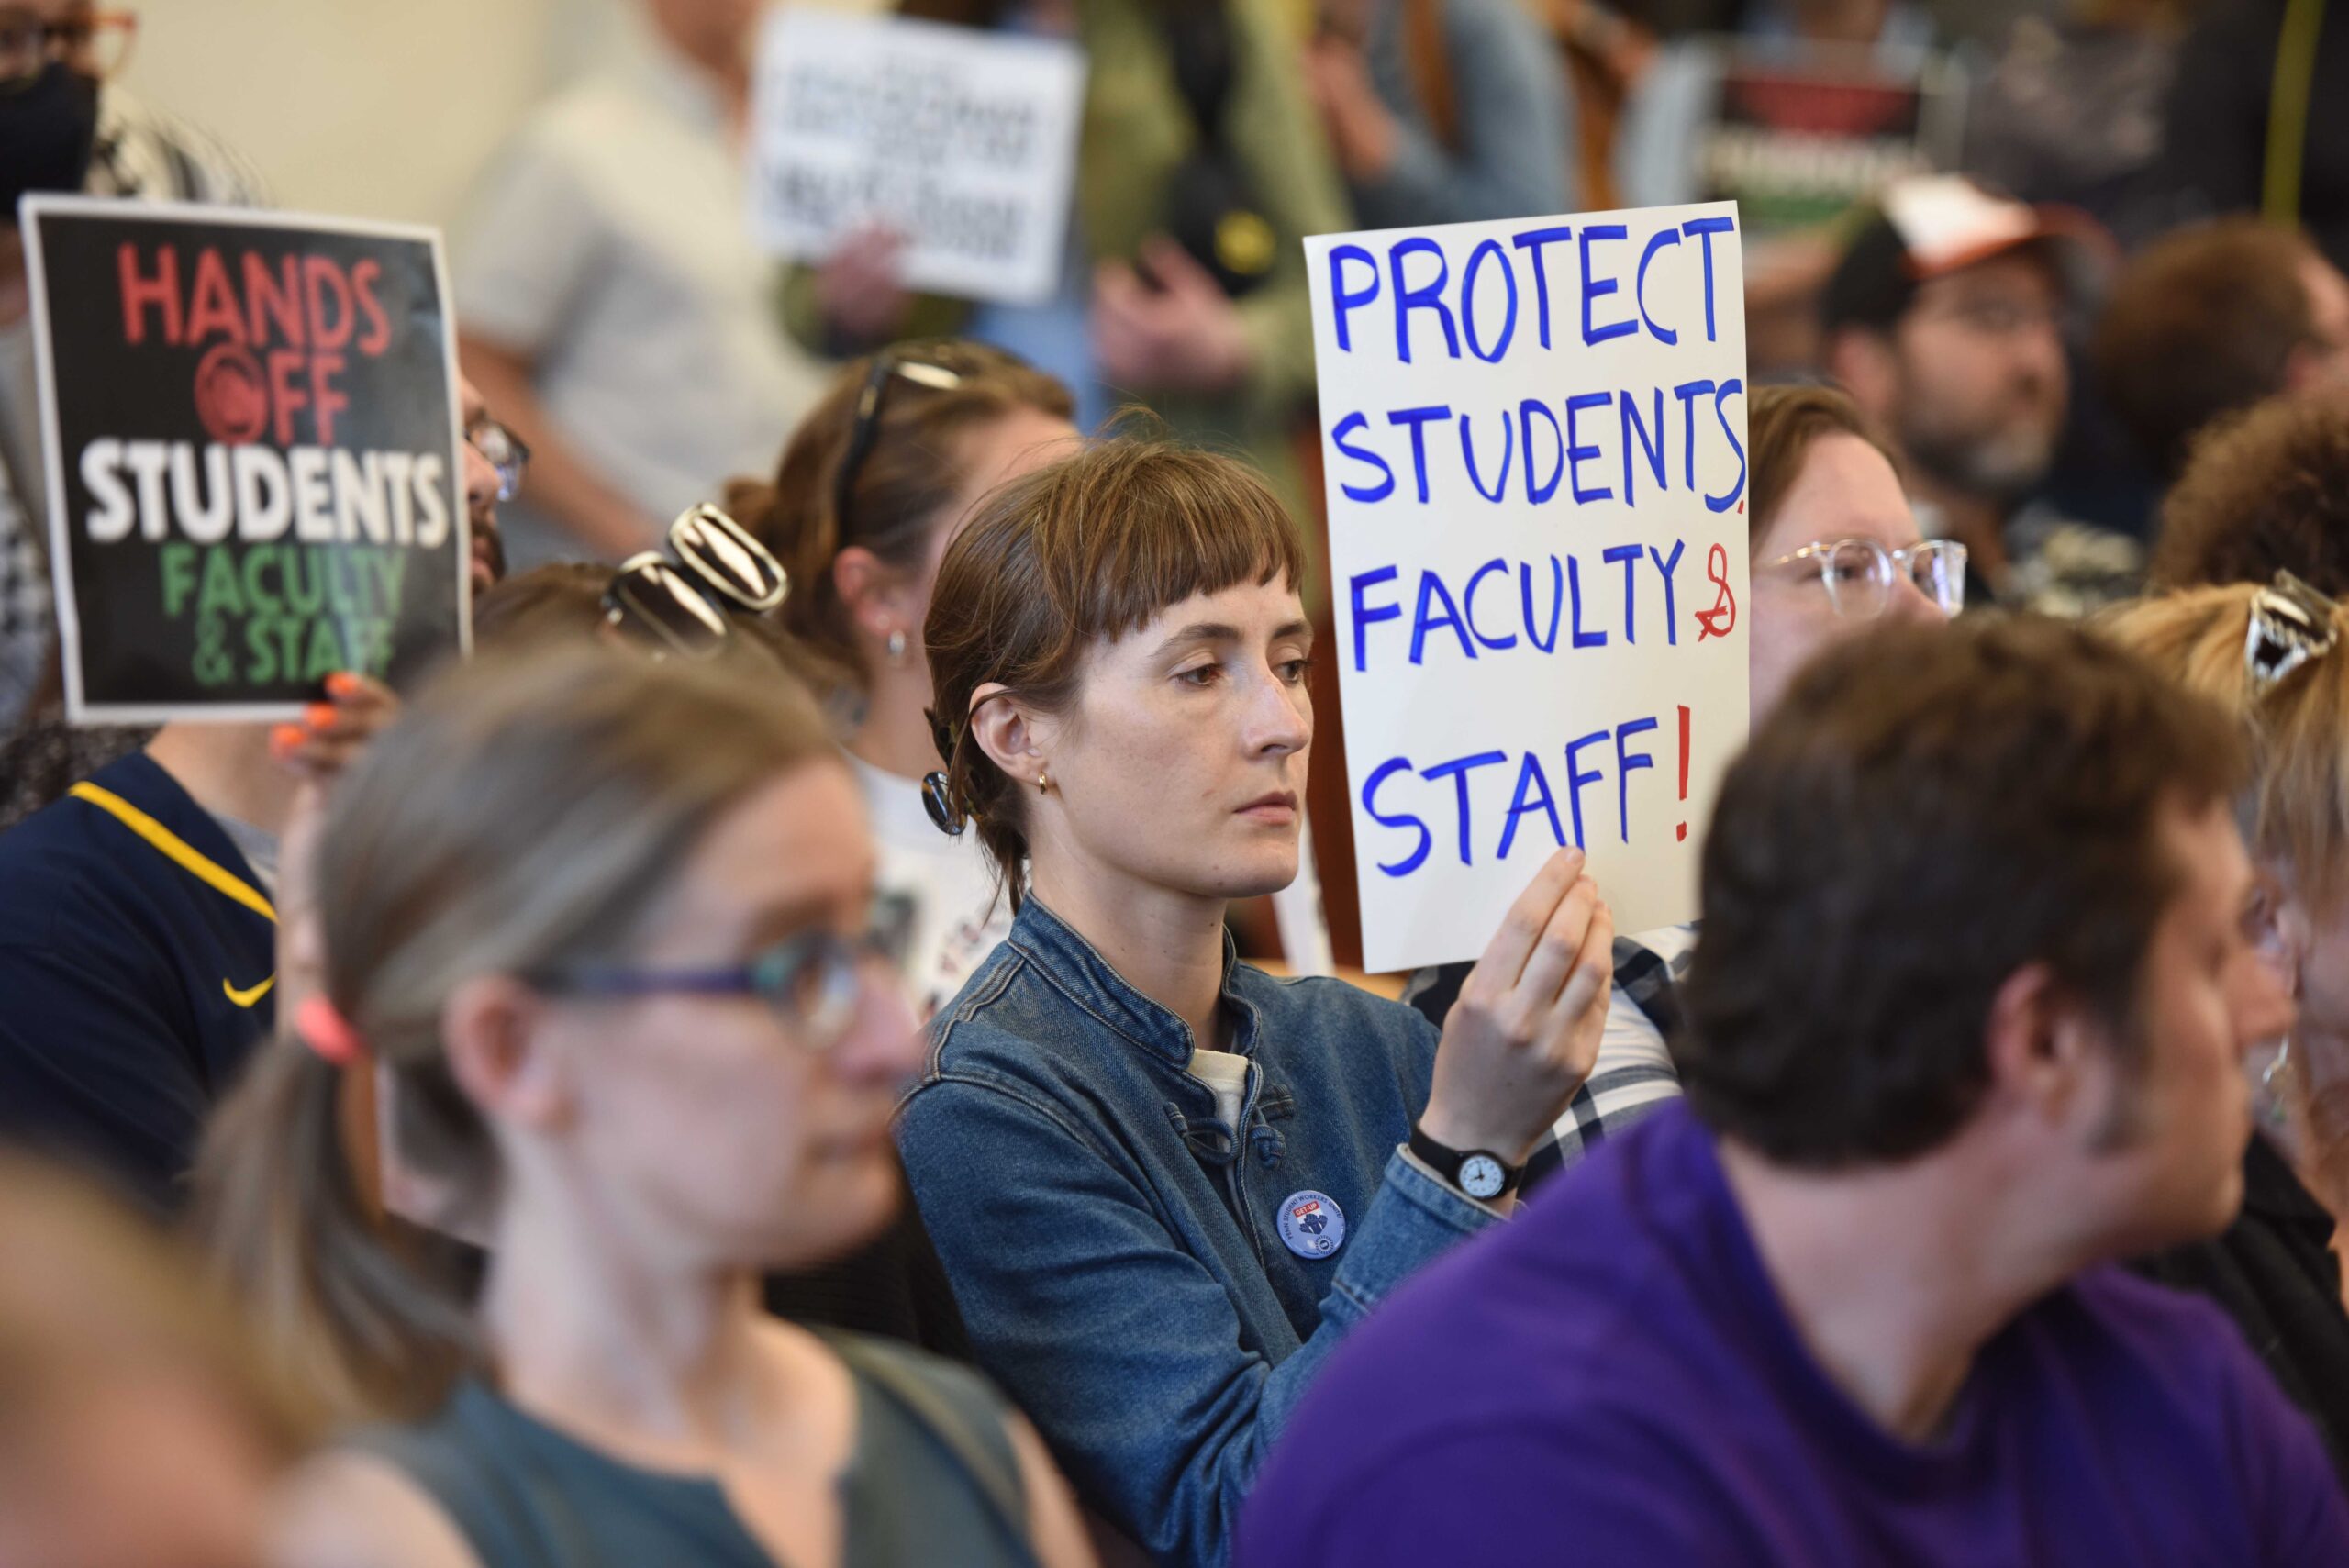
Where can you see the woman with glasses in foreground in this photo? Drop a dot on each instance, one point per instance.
(602, 923)
(1834, 548)
(874, 484)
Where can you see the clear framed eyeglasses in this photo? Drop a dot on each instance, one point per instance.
(1859, 573)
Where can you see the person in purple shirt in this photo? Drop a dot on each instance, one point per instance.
(1967, 1022)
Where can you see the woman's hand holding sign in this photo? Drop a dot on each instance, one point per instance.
(1525, 1031)
(317, 751)
(332, 733)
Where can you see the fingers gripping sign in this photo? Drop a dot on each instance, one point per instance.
(1523, 1035)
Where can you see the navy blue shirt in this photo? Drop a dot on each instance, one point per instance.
(138, 962)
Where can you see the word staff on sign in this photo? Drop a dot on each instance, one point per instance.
(960, 142)
(1534, 434)
(250, 427)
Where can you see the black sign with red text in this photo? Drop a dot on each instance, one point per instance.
(254, 478)
(1797, 145)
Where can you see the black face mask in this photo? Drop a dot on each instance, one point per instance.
(46, 132)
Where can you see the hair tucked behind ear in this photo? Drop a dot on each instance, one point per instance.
(529, 810)
(1083, 552)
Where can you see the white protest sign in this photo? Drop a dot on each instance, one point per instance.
(961, 142)
(1535, 441)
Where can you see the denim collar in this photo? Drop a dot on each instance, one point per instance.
(1078, 970)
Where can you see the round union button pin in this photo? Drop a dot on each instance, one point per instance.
(1311, 1224)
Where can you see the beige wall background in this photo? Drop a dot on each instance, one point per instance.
(373, 108)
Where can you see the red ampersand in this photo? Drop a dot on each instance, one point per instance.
(1721, 619)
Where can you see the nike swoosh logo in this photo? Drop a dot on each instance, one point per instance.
(247, 998)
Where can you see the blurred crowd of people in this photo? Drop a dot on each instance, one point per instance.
(773, 1059)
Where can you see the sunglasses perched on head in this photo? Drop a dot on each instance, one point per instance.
(677, 601)
(867, 428)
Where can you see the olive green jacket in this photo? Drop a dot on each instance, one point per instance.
(1136, 131)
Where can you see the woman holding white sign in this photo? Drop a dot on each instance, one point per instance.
(1163, 1183)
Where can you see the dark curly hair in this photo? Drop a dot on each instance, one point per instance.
(2201, 324)
(2265, 491)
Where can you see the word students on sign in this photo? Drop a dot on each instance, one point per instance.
(960, 142)
(1535, 441)
(252, 437)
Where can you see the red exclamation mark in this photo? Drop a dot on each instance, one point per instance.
(1682, 836)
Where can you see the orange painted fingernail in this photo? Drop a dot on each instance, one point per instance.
(342, 684)
(318, 715)
(284, 738)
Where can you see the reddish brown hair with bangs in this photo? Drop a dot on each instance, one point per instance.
(1079, 553)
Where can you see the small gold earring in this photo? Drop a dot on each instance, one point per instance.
(1043, 781)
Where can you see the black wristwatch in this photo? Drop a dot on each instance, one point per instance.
(1483, 1176)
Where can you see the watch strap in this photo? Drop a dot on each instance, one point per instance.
(1446, 1161)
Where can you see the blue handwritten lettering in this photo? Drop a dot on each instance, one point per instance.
(1458, 770)
(1417, 419)
(1468, 300)
(1654, 448)
(1539, 491)
(1468, 599)
(1432, 590)
(1532, 241)
(1594, 287)
(1704, 228)
(1364, 493)
(1468, 454)
(1423, 296)
(1530, 775)
(1367, 616)
(1417, 857)
(1657, 241)
(1575, 451)
(1343, 299)
(1626, 765)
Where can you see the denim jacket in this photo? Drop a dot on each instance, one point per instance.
(1119, 1258)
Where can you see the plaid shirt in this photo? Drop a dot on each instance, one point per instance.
(140, 153)
(1633, 1075)
(25, 609)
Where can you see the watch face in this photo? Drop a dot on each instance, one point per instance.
(1481, 1177)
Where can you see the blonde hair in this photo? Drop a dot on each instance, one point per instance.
(90, 1290)
(530, 809)
(2295, 808)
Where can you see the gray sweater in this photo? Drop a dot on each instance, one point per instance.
(1515, 121)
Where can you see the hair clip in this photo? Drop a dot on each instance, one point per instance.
(320, 1025)
(938, 799)
(2292, 623)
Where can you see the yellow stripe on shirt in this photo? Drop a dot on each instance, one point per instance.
(189, 859)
